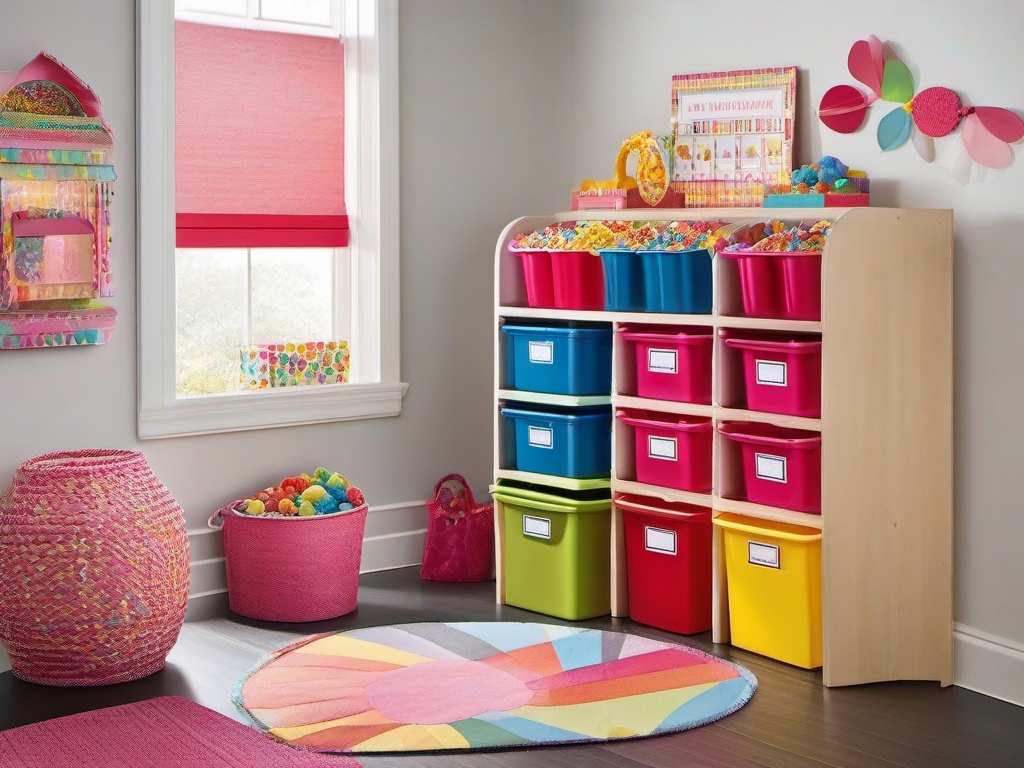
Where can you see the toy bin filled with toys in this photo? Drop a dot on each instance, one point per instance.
(293, 551)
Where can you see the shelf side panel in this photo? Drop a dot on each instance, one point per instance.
(887, 447)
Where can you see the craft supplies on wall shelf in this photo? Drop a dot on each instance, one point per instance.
(56, 192)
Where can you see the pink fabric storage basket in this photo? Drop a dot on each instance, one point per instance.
(673, 365)
(781, 376)
(292, 568)
(672, 451)
(540, 288)
(781, 467)
(578, 280)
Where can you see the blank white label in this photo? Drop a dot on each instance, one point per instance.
(771, 373)
(768, 467)
(659, 540)
(662, 361)
(542, 352)
(763, 554)
(537, 527)
(540, 437)
(662, 448)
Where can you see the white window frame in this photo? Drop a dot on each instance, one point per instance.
(371, 184)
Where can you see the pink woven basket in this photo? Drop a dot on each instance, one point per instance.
(94, 561)
(292, 568)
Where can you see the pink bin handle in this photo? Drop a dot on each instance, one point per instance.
(789, 442)
(676, 338)
(796, 347)
(676, 426)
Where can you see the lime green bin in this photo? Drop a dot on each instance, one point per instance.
(557, 549)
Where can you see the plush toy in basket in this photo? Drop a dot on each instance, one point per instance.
(460, 534)
(293, 551)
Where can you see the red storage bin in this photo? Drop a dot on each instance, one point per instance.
(578, 280)
(781, 467)
(673, 365)
(668, 563)
(801, 279)
(672, 451)
(540, 287)
(761, 282)
(781, 375)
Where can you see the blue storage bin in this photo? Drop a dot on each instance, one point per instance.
(570, 442)
(559, 360)
(623, 280)
(677, 281)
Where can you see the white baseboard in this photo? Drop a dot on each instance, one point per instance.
(988, 664)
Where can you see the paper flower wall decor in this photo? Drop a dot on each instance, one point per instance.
(934, 112)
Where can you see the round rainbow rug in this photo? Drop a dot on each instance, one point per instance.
(484, 685)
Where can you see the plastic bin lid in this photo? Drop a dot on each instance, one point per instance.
(557, 330)
(556, 412)
(687, 335)
(563, 501)
(653, 507)
(547, 493)
(769, 434)
(675, 422)
(774, 528)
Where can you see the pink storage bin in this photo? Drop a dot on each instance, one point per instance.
(672, 451)
(781, 467)
(761, 282)
(578, 280)
(292, 569)
(781, 375)
(540, 287)
(673, 365)
(801, 279)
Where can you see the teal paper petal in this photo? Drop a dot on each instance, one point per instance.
(894, 129)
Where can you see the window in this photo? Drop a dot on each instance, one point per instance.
(220, 289)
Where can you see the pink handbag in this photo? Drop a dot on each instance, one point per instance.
(460, 534)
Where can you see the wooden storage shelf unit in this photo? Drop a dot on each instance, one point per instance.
(886, 425)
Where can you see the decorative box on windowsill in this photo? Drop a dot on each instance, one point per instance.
(290, 364)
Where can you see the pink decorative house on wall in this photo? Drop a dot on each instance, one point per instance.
(55, 196)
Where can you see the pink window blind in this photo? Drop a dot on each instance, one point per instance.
(259, 144)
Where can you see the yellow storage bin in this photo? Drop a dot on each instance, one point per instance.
(773, 571)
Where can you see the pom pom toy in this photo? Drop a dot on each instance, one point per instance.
(831, 169)
(322, 493)
(254, 507)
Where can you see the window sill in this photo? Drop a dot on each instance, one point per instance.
(265, 410)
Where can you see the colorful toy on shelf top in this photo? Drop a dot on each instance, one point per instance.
(649, 188)
(932, 113)
(828, 183)
(55, 198)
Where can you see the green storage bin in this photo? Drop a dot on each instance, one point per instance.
(557, 549)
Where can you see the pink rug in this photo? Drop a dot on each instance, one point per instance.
(167, 732)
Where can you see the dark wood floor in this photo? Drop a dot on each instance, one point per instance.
(792, 720)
